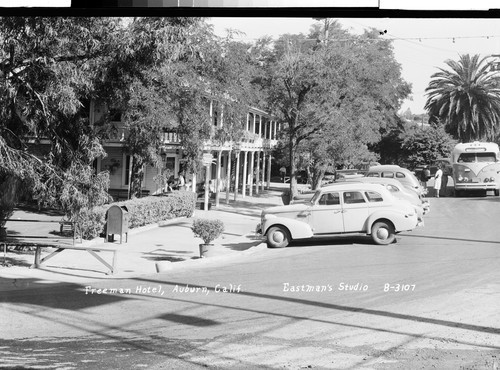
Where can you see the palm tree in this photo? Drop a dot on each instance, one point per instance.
(466, 99)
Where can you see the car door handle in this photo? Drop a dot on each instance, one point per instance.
(307, 214)
(339, 211)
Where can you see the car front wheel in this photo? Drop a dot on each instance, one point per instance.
(278, 237)
(383, 233)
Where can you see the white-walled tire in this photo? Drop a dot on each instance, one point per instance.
(278, 237)
(383, 233)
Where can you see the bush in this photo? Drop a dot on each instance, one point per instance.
(141, 211)
(207, 230)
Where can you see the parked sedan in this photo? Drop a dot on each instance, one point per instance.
(340, 209)
(403, 175)
(400, 192)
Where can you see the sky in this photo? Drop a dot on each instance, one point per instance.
(421, 45)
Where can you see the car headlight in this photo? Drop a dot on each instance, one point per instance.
(486, 180)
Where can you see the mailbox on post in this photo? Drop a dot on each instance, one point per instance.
(117, 222)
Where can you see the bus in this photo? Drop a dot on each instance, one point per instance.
(476, 167)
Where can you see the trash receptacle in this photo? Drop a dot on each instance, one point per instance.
(117, 222)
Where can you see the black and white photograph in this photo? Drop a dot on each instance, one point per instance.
(291, 189)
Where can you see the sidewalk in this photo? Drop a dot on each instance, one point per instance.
(167, 245)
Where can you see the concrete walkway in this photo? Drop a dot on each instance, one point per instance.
(165, 246)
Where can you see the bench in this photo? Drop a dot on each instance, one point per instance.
(91, 250)
(58, 242)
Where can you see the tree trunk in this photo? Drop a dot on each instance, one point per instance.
(293, 168)
(137, 177)
(317, 178)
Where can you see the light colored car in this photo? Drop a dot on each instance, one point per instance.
(403, 175)
(340, 209)
(401, 192)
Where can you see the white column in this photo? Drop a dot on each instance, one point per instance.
(269, 171)
(263, 171)
(228, 176)
(237, 175)
(217, 183)
(257, 172)
(244, 184)
(205, 202)
(194, 183)
(261, 134)
(250, 178)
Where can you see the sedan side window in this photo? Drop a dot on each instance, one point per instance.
(353, 197)
(329, 199)
(388, 174)
(373, 174)
(373, 196)
(400, 175)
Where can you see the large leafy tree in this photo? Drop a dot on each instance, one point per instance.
(48, 73)
(167, 71)
(465, 98)
(334, 95)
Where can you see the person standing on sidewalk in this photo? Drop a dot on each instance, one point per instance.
(437, 180)
(182, 182)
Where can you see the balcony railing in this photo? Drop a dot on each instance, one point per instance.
(170, 138)
(249, 141)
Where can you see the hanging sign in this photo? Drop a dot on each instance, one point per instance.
(207, 159)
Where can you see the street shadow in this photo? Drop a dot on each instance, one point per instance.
(166, 255)
(162, 251)
(343, 308)
(242, 246)
(65, 296)
(188, 320)
(165, 258)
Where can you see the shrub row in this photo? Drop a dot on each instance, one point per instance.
(141, 211)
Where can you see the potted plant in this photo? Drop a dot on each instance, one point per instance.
(208, 230)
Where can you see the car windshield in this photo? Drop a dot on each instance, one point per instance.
(476, 157)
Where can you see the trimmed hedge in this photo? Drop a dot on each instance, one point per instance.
(141, 211)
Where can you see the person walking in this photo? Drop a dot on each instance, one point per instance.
(437, 180)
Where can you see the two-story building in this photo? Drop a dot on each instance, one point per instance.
(233, 163)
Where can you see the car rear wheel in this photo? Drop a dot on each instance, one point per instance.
(383, 233)
(278, 237)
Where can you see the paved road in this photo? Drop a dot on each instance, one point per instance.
(334, 304)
